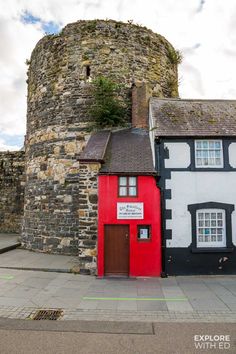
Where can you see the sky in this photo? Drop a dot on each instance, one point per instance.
(204, 31)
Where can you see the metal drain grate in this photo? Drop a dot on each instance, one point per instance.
(52, 315)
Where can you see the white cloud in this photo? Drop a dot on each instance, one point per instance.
(207, 71)
(8, 147)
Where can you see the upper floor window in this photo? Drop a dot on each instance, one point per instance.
(127, 186)
(211, 228)
(208, 153)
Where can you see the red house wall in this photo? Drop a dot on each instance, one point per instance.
(145, 256)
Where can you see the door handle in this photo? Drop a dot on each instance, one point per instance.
(126, 236)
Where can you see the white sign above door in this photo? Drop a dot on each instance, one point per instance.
(129, 211)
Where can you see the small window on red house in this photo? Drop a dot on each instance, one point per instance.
(127, 186)
(144, 232)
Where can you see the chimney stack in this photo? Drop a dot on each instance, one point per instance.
(141, 93)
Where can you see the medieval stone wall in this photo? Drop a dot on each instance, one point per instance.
(88, 213)
(60, 71)
(12, 181)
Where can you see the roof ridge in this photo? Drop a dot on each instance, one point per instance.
(192, 99)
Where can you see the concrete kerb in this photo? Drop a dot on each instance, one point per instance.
(54, 270)
(26, 313)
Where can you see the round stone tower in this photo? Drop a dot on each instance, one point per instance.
(61, 69)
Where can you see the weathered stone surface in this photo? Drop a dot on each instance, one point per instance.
(93, 198)
(59, 191)
(88, 195)
(12, 183)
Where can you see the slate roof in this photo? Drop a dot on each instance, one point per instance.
(129, 151)
(179, 117)
(96, 147)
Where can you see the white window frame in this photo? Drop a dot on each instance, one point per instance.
(127, 186)
(206, 223)
(208, 165)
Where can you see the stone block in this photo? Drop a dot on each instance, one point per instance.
(93, 198)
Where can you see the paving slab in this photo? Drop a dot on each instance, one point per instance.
(28, 260)
(190, 298)
(80, 326)
(8, 242)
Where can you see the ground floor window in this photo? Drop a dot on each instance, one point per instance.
(144, 233)
(211, 228)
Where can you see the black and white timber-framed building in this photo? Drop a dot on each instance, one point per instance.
(194, 147)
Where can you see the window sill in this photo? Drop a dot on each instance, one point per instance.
(212, 250)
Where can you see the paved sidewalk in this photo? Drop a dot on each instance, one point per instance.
(28, 260)
(192, 298)
(8, 242)
(24, 288)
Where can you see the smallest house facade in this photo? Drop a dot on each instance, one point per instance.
(129, 225)
(195, 151)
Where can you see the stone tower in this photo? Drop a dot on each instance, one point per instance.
(61, 69)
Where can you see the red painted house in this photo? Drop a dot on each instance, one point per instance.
(129, 227)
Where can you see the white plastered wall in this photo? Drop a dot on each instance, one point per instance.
(179, 155)
(232, 155)
(196, 187)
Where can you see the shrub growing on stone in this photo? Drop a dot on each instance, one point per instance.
(107, 110)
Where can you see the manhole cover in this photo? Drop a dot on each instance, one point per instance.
(47, 315)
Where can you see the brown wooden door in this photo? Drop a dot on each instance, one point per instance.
(116, 250)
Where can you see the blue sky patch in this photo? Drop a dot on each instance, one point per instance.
(12, 140)
(28, 18)
(49, 27)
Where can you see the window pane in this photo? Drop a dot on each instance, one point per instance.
(123, 181)
(211, 228)
(198, 153)
(199, 162)
(132, 191)
(212, 153)
(132, 181)
(123, 191)
(208, 153)
(211, 145)
(198, 144)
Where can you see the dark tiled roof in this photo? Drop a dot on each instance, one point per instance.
(177, 117)
(129, 151)
(96, 147)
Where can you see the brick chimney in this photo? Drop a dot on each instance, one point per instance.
(141, 93)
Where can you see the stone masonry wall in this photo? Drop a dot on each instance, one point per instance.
(61, 69)
(88, 198)
(12, 182)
